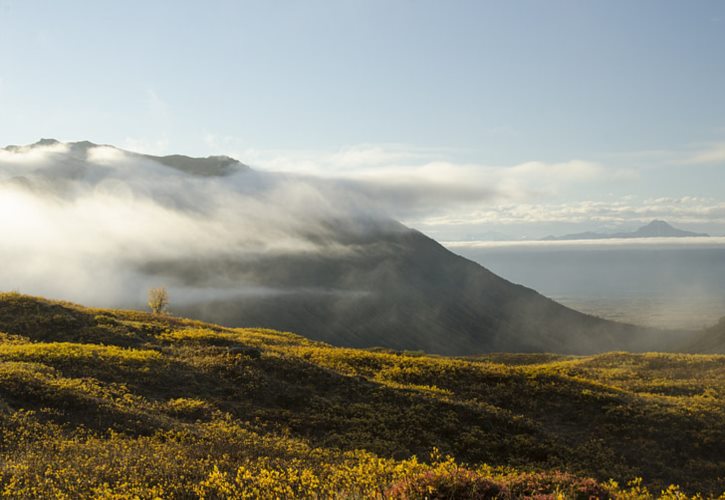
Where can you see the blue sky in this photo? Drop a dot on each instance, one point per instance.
(574, 114)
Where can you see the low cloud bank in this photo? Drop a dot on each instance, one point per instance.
(80, 220)
(690, 242)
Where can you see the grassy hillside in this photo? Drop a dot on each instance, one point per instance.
(121, 404)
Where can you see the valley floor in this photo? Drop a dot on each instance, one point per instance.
(124, 404)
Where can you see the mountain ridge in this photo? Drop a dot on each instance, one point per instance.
(654, 229)
(209, 166)
(240, 247)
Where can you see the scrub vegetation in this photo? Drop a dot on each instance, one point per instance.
(124, 404)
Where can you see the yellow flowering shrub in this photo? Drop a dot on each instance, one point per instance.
(125, 405)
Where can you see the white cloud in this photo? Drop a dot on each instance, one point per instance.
(685, 210)
(412, 184)
(591, 244)
(78, 222)
(713, 153)
(409, 180)
(105, 155)
(27, 155)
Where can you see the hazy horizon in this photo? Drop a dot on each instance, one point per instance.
(658, 282)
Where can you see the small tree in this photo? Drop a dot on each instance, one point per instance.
(158, 300)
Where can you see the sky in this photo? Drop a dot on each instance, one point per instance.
(533, 118)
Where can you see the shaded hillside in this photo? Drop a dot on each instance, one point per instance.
(400, 289)
(711, 340)
(122, 402)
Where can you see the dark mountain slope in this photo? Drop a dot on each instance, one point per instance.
(403, 290)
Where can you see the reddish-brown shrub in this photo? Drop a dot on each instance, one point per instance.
(448, 484)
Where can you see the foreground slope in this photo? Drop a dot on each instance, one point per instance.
(101, 401)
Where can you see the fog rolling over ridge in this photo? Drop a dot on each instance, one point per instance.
(99, 225)
(95, 214)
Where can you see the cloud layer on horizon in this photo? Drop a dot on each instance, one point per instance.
(428, 190)
(412, 182)
(686, 210)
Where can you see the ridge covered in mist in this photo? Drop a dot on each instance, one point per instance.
(241, 247)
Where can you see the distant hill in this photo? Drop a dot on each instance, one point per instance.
(655, 229)
(99, 403)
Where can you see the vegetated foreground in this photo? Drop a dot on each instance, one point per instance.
(105, 403)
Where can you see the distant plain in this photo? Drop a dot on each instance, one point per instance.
(665, 283)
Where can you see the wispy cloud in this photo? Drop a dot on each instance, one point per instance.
(713, 153)
(79, 221)
(591, 244)
(326, 162)
(686, 210)
(413, 181)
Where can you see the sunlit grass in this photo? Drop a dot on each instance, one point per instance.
(122, 404)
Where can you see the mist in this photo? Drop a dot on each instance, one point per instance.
(80, 221)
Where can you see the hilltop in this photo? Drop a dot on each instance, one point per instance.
(98, 402)
(655, 229)
(211, 166)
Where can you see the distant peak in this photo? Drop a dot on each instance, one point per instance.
(211, 166)
(46, 142)
(654, 229)
(658, 223)
(84, 144)
(660, 228)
